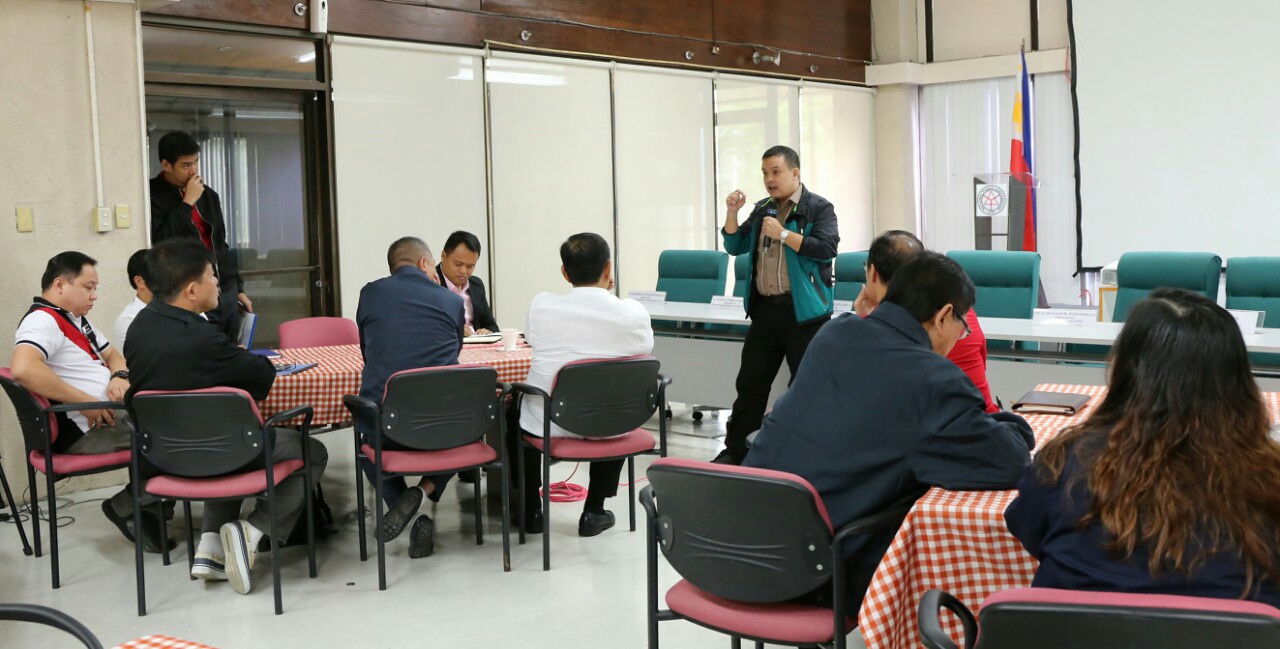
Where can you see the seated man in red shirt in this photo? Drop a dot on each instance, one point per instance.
(888, 253)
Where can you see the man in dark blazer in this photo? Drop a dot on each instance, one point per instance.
(456, 268)
(175, 348)
(181, 206)
(877, 414)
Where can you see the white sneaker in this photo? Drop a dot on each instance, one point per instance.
(209, 567)
(240, 555)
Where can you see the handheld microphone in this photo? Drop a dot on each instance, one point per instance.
(769, 240)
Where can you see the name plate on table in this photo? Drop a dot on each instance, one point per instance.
(1249, 321)
(656, 297)
(1081, 316)
(842, 305)
(727, 301)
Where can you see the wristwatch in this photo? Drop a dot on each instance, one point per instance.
(120, 374)
(783, 236)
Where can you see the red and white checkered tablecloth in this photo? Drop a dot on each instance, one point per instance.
(160, 642)
(338, 373)
(958, 541)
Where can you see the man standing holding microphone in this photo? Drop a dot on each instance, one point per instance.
(792, 238)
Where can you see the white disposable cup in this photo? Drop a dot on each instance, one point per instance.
(510, 339)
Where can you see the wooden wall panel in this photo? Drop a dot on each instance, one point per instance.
(686, 18)
(839, 28)
(833, 35)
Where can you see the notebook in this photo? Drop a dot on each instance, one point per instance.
(482, 339)
(286, 368)
(248, 326)
(1050, 403)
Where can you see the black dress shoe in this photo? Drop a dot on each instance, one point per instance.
(730, 457)
(151, 534)
(591, 524)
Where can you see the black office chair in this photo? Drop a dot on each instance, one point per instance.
(1049, 618)
(212, 444)
(746, 543)
(50, 617)
(434, 420)
(607, 402)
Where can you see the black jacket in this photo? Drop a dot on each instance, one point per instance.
(173, 349)
(481, 314)
(875, 417)
(170, 217)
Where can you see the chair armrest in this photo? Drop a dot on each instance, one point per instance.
(646, 499)
(876, 522)
(931, 633)
(290, 414)
(520, 387)
(357, 403)
(86, 405)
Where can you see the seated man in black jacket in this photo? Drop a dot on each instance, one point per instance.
(172, 347)
(877, 415)
(457, 264)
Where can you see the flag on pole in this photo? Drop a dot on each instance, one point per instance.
(1021, 156)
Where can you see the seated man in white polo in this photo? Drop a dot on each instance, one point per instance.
(588, 322)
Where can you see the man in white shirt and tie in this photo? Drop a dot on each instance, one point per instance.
(588, 322)
(137, 269)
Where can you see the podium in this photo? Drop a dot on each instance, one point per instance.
(999, 202)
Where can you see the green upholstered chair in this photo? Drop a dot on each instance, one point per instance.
(1007, 282)
(692, 275)
(850, 275)
(1139, 273)
(1253, 284)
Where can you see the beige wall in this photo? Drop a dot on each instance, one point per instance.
(46, 162)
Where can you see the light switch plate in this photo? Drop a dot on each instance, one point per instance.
(102, 219)
(26, 219)
(123, 218)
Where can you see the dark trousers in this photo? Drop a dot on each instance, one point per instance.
(602, 477)
(772, 336)
(228, 314)
(393, 487)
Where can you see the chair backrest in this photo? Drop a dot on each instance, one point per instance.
(603, 398)
(1139, 273)
(692, 275)
(439, 408)
(740, 279)
(1007, 282)
(1253, 284)
(750, 535)
(30, 409)
(199, 433)
(1049, 618)
(50, 617)
(850, 275)
(318, 332)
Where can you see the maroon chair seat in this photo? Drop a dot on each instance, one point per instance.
(779, 623)
(571, 448)
(318, 332)
(245, 484)
(65, 463)
(426, 462)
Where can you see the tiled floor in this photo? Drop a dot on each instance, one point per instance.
(459, 597)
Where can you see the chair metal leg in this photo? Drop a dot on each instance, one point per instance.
(631, 490)
(137, 549)
(53, 530)
(524, 497)
(759, 645)
(164, 533)
(13, 509)
(34, 507)
(311, 526)
(479, 491)
(546, 511)
(191, 542)
(735, 642)
(506, 522)
(275, 543)
(377, 512)
(364, 551)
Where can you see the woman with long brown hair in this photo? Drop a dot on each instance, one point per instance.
(1172, 485)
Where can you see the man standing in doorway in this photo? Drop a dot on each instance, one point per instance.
(181, 206)
(792, 238)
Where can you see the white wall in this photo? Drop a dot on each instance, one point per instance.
(47, 162)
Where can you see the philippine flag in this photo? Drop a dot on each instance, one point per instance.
(1021, 156)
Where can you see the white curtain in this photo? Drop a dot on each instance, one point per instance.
(965, 131)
